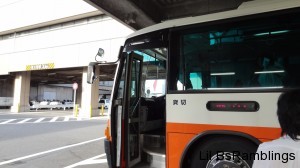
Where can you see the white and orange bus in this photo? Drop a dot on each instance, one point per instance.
(191, 90)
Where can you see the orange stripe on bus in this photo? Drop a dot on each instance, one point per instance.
(180, 134)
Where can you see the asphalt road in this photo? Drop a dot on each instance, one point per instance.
(56, 141)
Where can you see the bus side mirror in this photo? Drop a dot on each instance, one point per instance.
(91, 72)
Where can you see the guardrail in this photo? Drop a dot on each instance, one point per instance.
(52, 105)
(61, 106)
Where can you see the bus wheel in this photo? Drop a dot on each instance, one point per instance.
(221, 152)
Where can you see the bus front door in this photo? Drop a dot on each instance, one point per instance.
(132, 96)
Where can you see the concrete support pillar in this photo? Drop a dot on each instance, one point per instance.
(21, 92)
(89, 96)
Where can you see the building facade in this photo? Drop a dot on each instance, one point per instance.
(60, 41)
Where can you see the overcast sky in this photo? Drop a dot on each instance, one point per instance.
(20, 13)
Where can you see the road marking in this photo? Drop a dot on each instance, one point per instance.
(49, 151)
(8, 121)
(42, 120)
(12, 113)
(67, 118)
(23, 121)
(39, 120)
(53, 119)
(90, 161)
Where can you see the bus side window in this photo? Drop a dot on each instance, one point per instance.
(292, 79)
(196, 80)
(271, 79)
(245, 55)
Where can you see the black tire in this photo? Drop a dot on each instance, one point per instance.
(201, 152)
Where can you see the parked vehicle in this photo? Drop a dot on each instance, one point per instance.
(6, 101)
(104, 102)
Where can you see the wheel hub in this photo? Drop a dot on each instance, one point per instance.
(227, 160)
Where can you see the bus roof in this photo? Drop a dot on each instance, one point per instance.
(246, 8)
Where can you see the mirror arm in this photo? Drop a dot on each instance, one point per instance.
(107, 63)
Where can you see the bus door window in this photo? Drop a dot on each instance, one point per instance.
(134, 90)
(121, 83)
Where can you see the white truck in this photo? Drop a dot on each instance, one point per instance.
(6, 101)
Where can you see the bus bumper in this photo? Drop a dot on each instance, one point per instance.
(107, 146)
